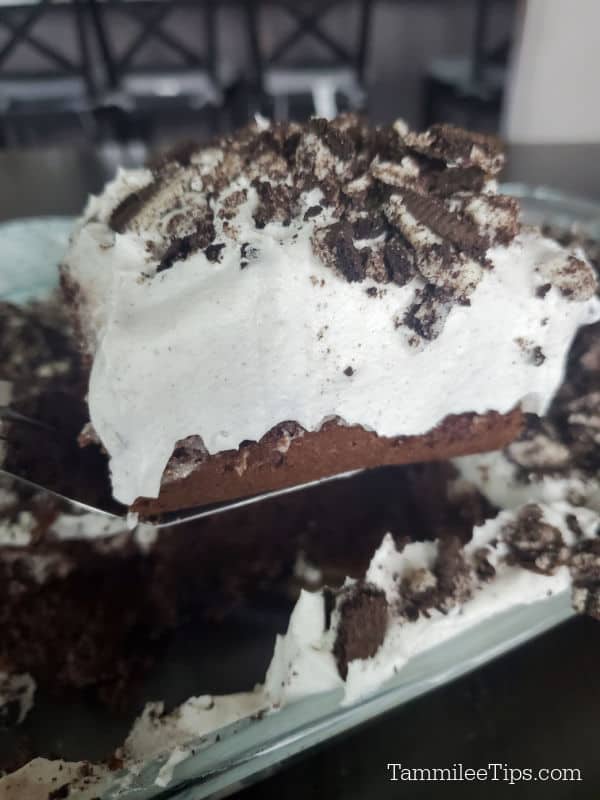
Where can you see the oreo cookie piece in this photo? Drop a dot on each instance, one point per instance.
(363, 621)
(399, 261)
(426, 316)
(340, 143)
(533, 543)
(573, 277)
(458, 147)
(129, 208)
(276, 203)
(334, 245)
(446, 182)
(438, 261)
(451, 226)
(180, 249)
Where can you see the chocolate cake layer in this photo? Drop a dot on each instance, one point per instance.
(289, 456)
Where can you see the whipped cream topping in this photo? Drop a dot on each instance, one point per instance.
(227, 341)
(44, 778)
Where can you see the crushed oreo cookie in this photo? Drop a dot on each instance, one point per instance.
(573, 277)
(566, 443)
(527, 541)
(311, 212)
(459, 147)
(534, 543)
(275, 203)
(446, 182)
(585, 570)
(543, 290)
(575, 239)
(248, 253)
(213, 251)
(180, 249)
(531, 352)
(447, 583)
(131, 206)
(427, 314)
(389, 205)
(335, 246)
(363, 620)
(399, 261)
(452, 227)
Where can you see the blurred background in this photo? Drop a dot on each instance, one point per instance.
(138, 74)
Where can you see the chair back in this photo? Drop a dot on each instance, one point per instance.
(300, 34)
(150, 37)
(44, 49)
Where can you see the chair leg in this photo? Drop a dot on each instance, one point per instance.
(323, 98)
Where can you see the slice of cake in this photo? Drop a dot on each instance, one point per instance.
(300, 301)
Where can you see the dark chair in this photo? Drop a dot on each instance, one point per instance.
(471, 86)
(154, 63)
(46, 73)
(307, 60)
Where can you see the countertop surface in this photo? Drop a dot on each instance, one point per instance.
(538, 706)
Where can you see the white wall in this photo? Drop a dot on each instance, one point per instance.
(554, 90)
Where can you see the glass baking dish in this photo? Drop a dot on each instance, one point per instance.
(238, 754)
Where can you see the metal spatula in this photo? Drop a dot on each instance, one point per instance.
(80, 505)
